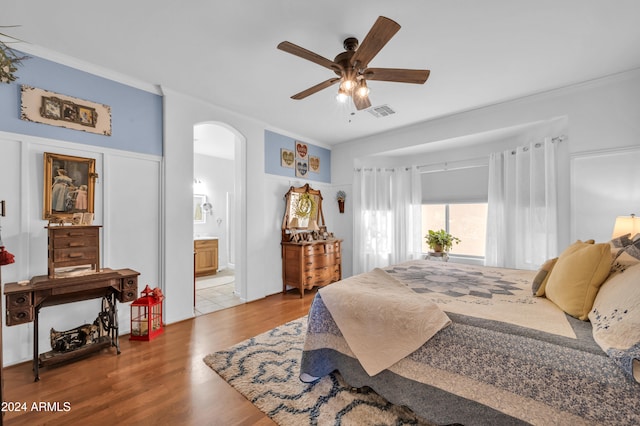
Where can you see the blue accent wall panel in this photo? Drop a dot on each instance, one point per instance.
(274, 142)
(136, 115)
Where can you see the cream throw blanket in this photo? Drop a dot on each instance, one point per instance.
(381, 319)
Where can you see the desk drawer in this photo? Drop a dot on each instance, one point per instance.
(19, 300)
(128, 295)
(129, 282)
(19, 315)
(129, 289)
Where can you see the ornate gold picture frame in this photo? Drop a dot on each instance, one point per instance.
(69, 186)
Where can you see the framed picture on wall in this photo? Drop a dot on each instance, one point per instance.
(287, 158)
(69, 186)
(302, 149)
(314, 164)
(302, 167)
(199, 215)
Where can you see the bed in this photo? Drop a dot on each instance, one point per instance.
(500, 354)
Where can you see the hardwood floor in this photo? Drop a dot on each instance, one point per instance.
(162, 382)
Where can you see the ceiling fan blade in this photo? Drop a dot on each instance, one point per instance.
(398, 75)
(361, 102)
(303, 53)
(316, 88)
(381, 32)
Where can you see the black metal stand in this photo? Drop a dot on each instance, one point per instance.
(109, 322)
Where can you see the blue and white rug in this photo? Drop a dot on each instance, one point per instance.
(265, 370)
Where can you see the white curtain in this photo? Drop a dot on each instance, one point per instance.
(387, 208)
(522, 215)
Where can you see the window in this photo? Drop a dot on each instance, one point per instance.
(467, 221)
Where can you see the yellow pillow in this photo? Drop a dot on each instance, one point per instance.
(576, 277)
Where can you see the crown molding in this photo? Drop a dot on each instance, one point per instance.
(51, 55)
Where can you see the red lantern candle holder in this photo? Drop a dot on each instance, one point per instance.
(146, 315)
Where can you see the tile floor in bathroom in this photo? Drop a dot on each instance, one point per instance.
(215, 292)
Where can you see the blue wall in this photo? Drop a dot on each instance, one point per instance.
(136, 115)
(273, 142)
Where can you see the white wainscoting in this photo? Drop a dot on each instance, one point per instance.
(127, 204)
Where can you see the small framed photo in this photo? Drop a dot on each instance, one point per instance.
(77, 218)
(87, 218)
(69, 111)
(87, 116)
(302, 167)
(51, 107)
(302, 150)
(287, 158)
(314, 164)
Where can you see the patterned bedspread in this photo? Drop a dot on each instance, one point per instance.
(481, 370)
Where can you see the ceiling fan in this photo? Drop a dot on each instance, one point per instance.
(351, 65)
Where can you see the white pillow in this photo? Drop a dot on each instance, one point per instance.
(615, 316)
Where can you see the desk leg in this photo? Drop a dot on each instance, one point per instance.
(110, 305)
(115, 322)
(36, 355)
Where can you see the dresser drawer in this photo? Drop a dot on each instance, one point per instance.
(65, 242)
(321, 248)
(322, 276)
(75, 254)
(319, 261)
(74, 232)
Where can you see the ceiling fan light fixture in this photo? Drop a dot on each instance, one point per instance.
(343, 95)
(363, 89)
(347, 84)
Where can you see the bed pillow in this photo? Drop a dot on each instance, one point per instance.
(576, 277)
(540, 280)
(618, 244)
(616, 316)
(626, 257)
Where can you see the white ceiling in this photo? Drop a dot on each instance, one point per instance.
(479, 52)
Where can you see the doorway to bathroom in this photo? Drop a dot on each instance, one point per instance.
(214, 228)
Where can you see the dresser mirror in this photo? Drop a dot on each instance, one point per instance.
(303, 213)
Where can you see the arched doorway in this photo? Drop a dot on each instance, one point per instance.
(219, 185)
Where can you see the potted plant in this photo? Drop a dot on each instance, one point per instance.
(440, 241)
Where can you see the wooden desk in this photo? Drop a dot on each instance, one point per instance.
(23, 304)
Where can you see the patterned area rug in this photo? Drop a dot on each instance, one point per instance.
(265, 369)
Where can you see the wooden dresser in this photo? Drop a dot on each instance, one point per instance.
(206, 256)
(73, 246)
(310, 264)
(311, 256)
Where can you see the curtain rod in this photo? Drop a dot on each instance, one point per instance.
(450, 165)
(472, 162)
